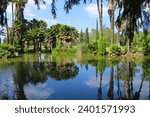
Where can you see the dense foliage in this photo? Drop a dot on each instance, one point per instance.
(35, 36)
(7, 51)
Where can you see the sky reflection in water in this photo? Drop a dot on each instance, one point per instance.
(42, 78)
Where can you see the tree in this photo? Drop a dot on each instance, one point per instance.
(81, 37)
(35, 34)
(107, 36)
(86, 36)
(97, 32)
(20, 27)
(132, 12)
(51, 37)
(67, 36)
(100, 13)
(12, 30)
(112, 5)
(7, 28)
(3, 7)
(19, 9)
(102, 46)
(146, 43)
(60, 35)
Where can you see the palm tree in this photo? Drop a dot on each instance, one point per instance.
(100, 13)
(12, 30)
(19, 11)
(112, 6)
(7, 28)
(3, 7)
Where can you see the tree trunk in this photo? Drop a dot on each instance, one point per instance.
(112, 26)
(12, 31)
(6, 22)
(19, 15)
(20, 11)
(101, 19)
(118, 37)
(40, 46)
(100, 14)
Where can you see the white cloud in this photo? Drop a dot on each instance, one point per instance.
(43, 6)
(39, 91)
(32, 3)
(50, 21)
(92, 10)
(48, 1)
(94, 82)
(29, 13)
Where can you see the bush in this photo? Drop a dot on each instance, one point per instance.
(136, 49)
(82, 49)
(146, 44)
(124, 50)
(61, 49)
(7, 50)
(92, 47)
(115, 50)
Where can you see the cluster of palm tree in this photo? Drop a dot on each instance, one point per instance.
(131, 16)
(35, 33)
(60, 35)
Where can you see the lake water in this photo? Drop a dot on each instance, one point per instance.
(46, 77)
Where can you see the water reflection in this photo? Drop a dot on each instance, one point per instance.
(49, 77)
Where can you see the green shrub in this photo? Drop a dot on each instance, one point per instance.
(82, 49)
(115, 50)
(92, 47)
(146, 44)
(7, 50)
(123, 50)
(136, 49)
(62, 49)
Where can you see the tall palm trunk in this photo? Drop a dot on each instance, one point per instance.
(112, 20)
(7, 29)
(118, 37)
(19, 15)
(20, 11)
(12, 31)
(101, 18)
(100, 14)
(112, 5)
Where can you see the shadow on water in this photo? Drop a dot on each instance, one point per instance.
(49, 77)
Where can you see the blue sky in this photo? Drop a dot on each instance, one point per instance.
(80, 16)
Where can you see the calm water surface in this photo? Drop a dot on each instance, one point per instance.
(46, 77)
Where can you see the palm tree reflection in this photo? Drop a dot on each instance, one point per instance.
(38, 72)
(111, 84)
